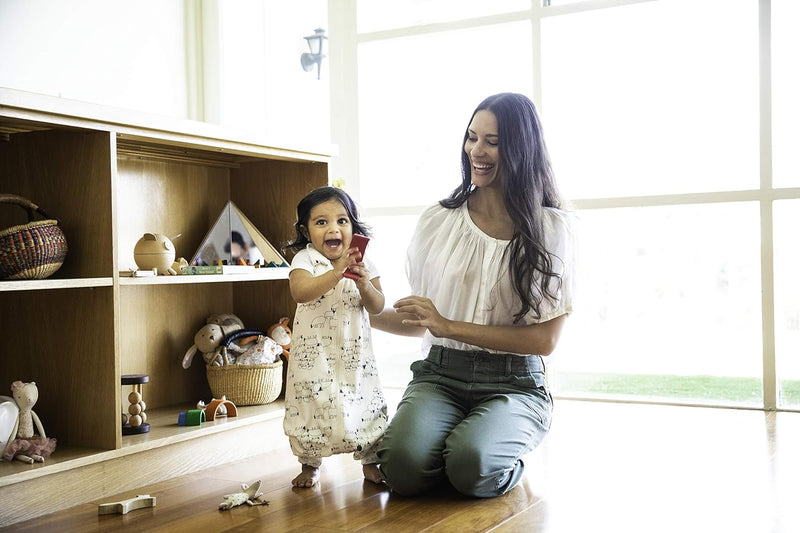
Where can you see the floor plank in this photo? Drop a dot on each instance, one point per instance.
(605, 467)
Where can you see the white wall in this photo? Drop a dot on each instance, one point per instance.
(113, 53)
(232, 63)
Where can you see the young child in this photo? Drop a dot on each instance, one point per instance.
(334, 400)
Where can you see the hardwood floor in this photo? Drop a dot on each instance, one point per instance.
(604, 467)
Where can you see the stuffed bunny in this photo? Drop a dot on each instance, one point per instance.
(27, 447)
(208, 340)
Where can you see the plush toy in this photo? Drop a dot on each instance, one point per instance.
(251, 347)
(227, 321)
(208, 340)
(281, 334)
(27, 447)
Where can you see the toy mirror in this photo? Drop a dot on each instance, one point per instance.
(234, 240)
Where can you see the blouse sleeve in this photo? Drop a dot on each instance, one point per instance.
(561, 242)
(420, 245)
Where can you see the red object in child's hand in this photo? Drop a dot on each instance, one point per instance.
(360, 242)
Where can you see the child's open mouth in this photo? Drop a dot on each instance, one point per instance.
(333, 243)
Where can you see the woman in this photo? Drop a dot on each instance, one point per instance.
(491, 271)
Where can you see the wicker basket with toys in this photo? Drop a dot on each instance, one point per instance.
(241, 364)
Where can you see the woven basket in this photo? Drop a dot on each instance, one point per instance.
(245, 384)
(34, 250)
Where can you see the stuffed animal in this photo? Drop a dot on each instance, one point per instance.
(208, 340)
(251, 347)
(228, 321)
(27, 447)
(281, 334)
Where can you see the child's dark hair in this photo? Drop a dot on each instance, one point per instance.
(319, 196)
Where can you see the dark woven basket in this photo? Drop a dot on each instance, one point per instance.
(34, 250)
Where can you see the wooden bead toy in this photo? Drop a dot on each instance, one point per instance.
(137, 419)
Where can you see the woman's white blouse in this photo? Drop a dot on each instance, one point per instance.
(465, 272)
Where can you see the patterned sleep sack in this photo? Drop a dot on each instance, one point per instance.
(334, 400)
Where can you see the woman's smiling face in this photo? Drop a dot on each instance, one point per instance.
(329, 229)
(481, 147)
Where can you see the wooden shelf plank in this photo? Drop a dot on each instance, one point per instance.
(40, 284)
(260, 274)
(41, 111)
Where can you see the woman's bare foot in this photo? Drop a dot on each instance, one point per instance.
(373, 473)
(307, 477)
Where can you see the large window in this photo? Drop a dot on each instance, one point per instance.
(653, 98)
(416, 94)
(787, 300)
(785, 88)
(671, 293)
(376, 15)
(672, 127)
(669, 307)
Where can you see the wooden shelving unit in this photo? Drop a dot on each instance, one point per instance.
(109, 176)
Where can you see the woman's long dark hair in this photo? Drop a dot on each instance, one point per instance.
(319, 196)
(528, 186)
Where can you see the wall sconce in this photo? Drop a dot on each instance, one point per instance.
(316, 46)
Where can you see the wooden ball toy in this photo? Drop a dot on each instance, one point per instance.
(154, 251)
(137, 421)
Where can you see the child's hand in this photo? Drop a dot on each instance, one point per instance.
(348, 260)
(362, 272)
(370, 289)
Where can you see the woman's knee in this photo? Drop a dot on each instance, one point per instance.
(475, 472)
(407, 470)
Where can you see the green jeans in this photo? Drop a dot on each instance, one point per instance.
(468, 417)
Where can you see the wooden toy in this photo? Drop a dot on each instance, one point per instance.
(212, 409)
(125, 506)
(155, 250)
(137, 419)
(192, 417)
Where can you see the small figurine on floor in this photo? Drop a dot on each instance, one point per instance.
(27, 447)
(249, 495)
(125, 506)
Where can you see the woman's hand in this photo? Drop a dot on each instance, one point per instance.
(420, 313)
(425, 313)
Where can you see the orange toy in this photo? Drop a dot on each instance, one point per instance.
(281, 334)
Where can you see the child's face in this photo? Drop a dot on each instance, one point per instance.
(329, 229)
